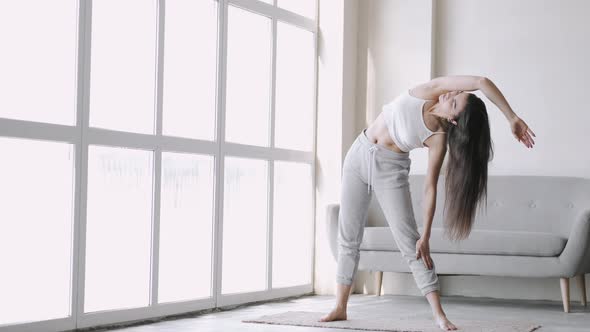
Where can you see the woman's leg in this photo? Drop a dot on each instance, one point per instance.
(352, 218)
(396, 204)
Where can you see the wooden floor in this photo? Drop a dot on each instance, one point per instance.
(549, 314)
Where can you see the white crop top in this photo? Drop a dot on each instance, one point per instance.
(405, 122)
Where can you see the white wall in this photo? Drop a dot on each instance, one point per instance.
(535, 51)
(394, 53)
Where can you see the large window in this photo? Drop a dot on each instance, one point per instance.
(190, 64)
(37, 195)
(248, 78)
(158, 157)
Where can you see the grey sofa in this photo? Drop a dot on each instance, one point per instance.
(535, 226)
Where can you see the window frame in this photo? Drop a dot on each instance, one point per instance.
(81, 136)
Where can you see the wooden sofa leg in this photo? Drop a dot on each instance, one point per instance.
(565, 293)
(581, 280)
(378, 282)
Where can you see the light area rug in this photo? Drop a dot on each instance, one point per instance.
(307, 318)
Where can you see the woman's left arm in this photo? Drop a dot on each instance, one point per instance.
(436, 155)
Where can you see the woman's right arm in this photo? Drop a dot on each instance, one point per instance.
(520, 130)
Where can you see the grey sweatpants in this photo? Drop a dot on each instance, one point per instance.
(370, 166)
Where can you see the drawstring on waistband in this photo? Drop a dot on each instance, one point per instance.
(372, 150)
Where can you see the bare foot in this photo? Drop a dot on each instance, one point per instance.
(336, 314)
(444, 323)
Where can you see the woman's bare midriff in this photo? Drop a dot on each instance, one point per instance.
(378, 134)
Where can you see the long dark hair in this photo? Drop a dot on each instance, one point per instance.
(469, 151)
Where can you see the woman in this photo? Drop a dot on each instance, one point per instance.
(379, 159)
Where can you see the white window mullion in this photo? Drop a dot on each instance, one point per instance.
(38, 130)
(315, 136)
(157, 184)
(82, 121)
(219, 160)
(269, 242)
(117, 138)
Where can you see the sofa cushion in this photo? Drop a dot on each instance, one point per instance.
(483, 242)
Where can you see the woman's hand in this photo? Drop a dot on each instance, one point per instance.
(423, 250)
(522, 132)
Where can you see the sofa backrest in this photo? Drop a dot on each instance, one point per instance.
(514, 202)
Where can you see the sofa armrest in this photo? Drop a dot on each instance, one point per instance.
(576, 249)
(332, 211)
